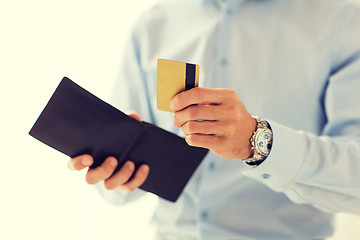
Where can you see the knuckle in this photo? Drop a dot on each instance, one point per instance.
(101, 171)
(106, 171)
(90, 179)
(130, 188)
(142, 177)
(231, 130)
(177, 101)
(124, 174)
(191, 126)
(197, 93)
(176, 120)
(70, 164)
(231, 93)
(189, 139)
(139, 179)
(231, 110)
(192, 112)
(108, 185)
(121, 188)
(185, 130)
(231, 107)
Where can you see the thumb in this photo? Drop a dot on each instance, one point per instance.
(134, 115)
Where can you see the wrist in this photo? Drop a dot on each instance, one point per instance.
(249, 151)
(260, 142)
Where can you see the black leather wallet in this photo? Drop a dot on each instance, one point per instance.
(76, 122)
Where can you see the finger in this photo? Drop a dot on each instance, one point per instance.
(198, 112)
(121, 177)
(199, 95)
(205, 141)
(80, 162)
(203, 127)
(102, 172)
(134, 115)
(139, 178)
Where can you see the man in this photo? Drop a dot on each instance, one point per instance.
(294, 63)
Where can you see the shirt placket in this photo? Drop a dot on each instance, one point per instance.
(219, 80)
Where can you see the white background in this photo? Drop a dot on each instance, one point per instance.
(40, 42)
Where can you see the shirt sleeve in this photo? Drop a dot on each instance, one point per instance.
(324, 171)
(130, 93)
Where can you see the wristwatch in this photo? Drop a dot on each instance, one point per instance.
(261, 142)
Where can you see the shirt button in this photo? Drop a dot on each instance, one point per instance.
(204, 215)
(223, 61)
(212, 166)
(266, 176)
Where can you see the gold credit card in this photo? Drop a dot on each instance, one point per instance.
(172, 78)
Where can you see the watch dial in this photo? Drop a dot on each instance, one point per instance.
(264, 141)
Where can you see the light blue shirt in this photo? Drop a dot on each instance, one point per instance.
(295, 63)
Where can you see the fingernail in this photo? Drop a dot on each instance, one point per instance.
(86, 161)
(130, 166)
(113, 162)
(172, 104)
(145, 169)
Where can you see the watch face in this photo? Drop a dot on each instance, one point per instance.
(264, 141)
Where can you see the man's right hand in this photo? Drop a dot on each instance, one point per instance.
(119, 180)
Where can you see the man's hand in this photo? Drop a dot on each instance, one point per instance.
(119, 180)
(215, 119)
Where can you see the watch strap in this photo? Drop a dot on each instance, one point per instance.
(257, 158)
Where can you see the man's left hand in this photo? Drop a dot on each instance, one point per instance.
(215, 119)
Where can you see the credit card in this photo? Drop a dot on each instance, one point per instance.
(174, 77)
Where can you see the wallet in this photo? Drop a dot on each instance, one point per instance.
(76, 122)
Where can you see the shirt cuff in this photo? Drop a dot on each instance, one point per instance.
(284, 161)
